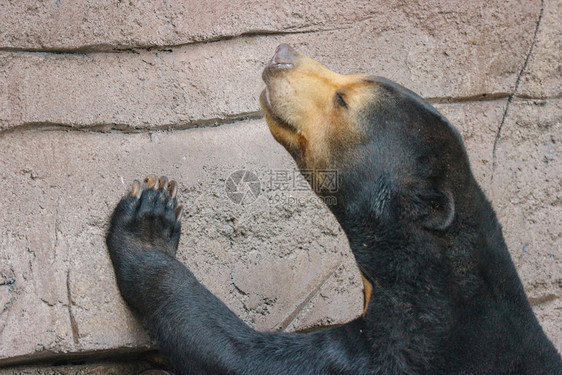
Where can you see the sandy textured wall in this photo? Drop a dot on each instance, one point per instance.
(96, 93)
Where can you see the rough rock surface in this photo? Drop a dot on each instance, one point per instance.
(62, 277)
(93, 95)
(526, 192)
(448, 52)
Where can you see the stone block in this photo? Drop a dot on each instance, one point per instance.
(107, 25)
(457, 50)
(542, 77)
(526, 192)
(263, 259)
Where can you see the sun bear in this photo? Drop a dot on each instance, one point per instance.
(442, 295)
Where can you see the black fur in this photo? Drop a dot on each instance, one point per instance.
(446, 297)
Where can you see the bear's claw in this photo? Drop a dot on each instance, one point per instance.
(150, 182)
(163, 183)
(172, 188)
(136, 189)
(179, 213)
(149, 214)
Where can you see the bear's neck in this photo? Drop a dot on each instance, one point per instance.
(391, 255)
(410, 295)
(468, 260)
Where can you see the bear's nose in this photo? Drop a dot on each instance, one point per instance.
(284, 57)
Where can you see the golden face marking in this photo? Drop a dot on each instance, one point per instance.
(367, 291)
(315, 113)
(311, 110)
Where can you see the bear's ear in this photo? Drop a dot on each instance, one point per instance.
(435, 208)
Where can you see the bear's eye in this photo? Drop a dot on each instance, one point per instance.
(339, 100)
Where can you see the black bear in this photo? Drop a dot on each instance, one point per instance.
(442, 293)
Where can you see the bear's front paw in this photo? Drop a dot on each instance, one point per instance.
(148, 218)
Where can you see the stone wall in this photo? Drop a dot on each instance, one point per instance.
(94, 94)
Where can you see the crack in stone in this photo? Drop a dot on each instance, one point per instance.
(542, 299)
(514, 92)
(483, 97)
(291, 318)
(10, 283)
(116, 48)
(7, 280)
(131, 129)
(227, 120)
(48, 357)
(73, 323)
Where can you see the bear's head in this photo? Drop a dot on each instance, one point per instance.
(395, 157)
